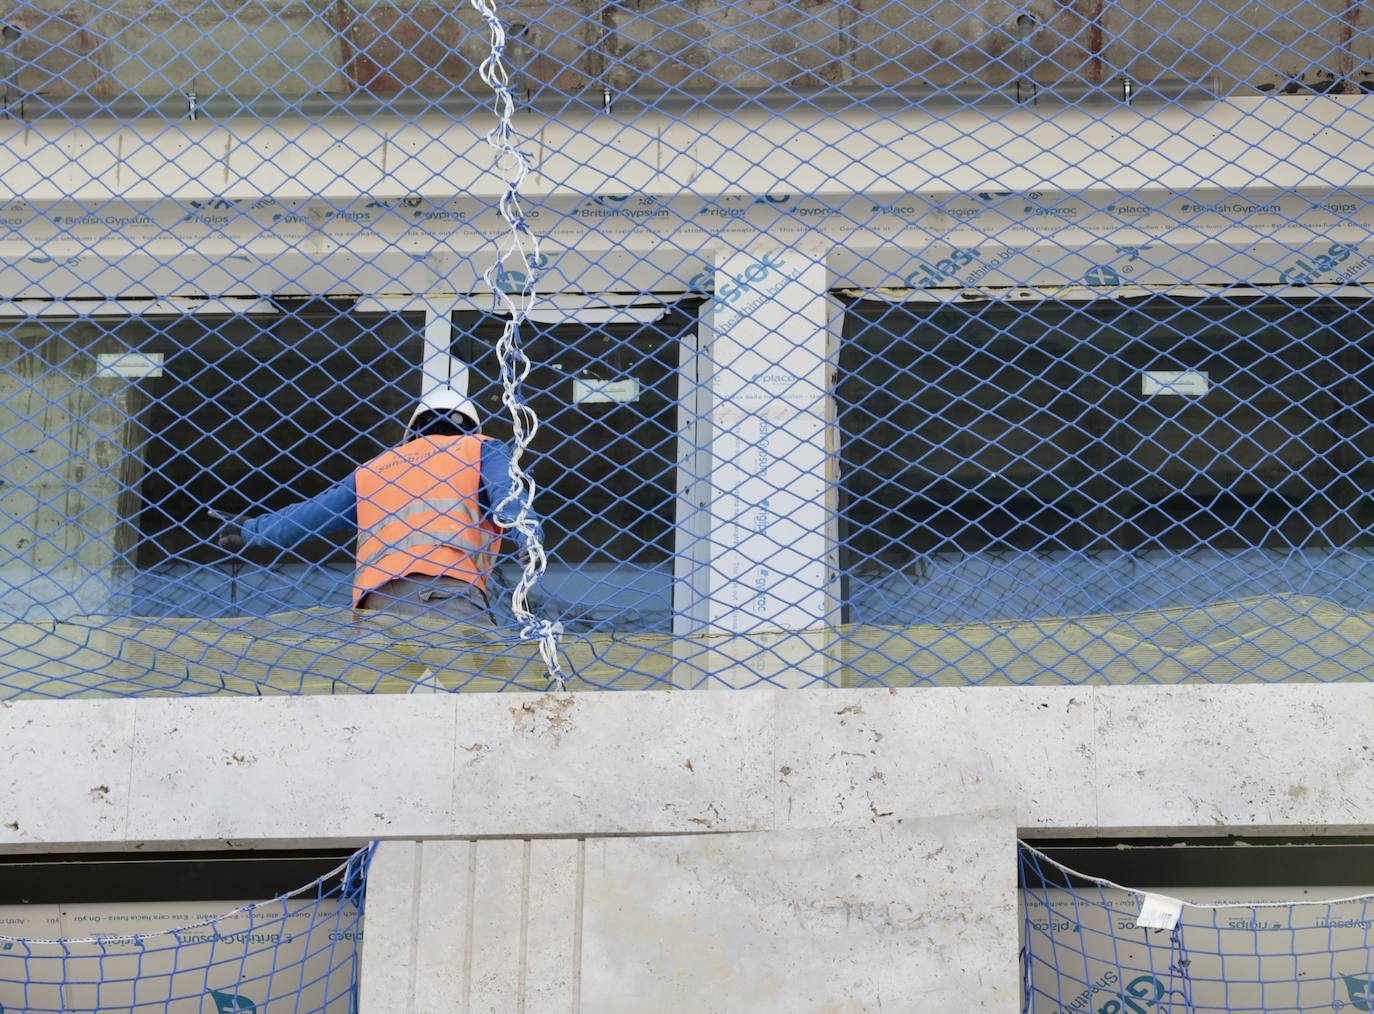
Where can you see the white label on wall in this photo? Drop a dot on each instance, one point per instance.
(129, 364)
(602, 392)
(1185, 383)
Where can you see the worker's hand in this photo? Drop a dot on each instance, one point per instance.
(229, 537)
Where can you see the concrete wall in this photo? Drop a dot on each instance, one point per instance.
(116, 47)
(764, 851)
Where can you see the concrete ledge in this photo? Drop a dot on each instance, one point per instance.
(1227, 759)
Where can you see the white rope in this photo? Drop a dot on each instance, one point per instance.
(1103, 882)
(521, 252)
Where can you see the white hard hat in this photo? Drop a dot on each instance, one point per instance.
(446, 400)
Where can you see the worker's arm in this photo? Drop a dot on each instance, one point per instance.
(334, 510)
(495, 489)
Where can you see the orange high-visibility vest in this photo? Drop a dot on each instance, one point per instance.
(418, 513)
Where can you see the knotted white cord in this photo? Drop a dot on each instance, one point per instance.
(522, 250)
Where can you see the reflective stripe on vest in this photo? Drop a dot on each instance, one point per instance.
(426, 539)
(419, 514)
(463, 508)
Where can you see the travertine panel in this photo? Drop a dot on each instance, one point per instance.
(574, 47)
(1251, 757)
(553, 915)
(51, 50)
(65, 773)
(292, 767)
(589, 764)
(442, 924)
(858, 758)
(842, 920)
(1258, 45)
(389, 938)
(492, 957)
(348, 768)
(469, 926)
(425, 49)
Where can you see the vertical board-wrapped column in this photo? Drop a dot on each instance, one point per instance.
(770, 539)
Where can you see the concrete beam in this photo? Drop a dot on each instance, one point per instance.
(1223, 193)
(1111, 760)
(1281, 143)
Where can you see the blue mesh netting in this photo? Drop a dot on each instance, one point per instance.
(870, 343)
(1252, 950)
(299, 952)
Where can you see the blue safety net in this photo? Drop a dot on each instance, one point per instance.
(298, 952)
(1253, 950)
(846, 343)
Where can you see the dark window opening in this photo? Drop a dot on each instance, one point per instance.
(605, 467)
(604, 456)
(254, 413)
(1231, 861)
(163, 876)
(1011, 430)
(117, 433)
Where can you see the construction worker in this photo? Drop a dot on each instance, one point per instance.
(424, 512)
